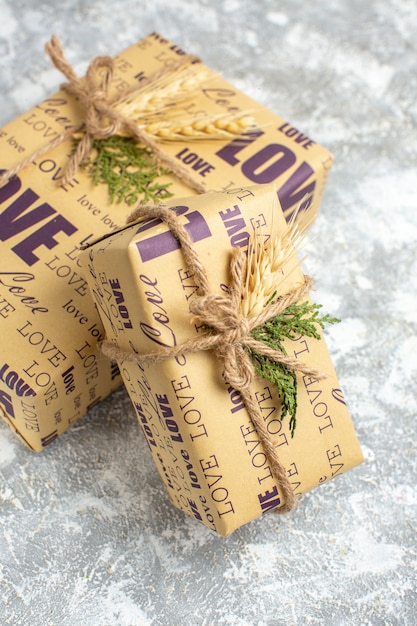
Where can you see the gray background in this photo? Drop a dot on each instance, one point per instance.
(87, 535)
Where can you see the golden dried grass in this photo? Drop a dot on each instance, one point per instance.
(160, 109)
(272, 258)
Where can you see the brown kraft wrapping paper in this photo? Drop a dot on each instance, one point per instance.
(49, 371)
(200, 435)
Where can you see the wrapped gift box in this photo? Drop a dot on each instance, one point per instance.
(201, 437)
(50, 373)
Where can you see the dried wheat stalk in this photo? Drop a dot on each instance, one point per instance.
(211, 127)
(158, 109)
(271, 259)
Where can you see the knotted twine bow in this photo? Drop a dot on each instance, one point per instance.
(228, 334)
(101, 119)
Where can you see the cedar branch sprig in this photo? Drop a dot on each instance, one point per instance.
(129, 170)
(285, 381)
(299, 318)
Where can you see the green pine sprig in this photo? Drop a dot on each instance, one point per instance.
(128, 169)
(297, 319)
(285, 381)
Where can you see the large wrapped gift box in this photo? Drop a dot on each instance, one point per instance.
(199, 432)
(50, 374)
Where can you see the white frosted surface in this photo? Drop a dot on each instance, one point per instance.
(87, 534)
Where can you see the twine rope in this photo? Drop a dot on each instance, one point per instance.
(101, 119)
(228, 335)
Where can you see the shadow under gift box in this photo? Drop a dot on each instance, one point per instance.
(200, 435)
(50, 374)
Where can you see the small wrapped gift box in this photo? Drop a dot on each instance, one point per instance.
(225, 451)
(49, 371)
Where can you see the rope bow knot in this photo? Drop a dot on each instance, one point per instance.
(217, 312)
(220, 316)
(100, 120)
(101, 117)
(92, 93)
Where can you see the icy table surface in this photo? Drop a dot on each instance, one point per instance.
(87, 534)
